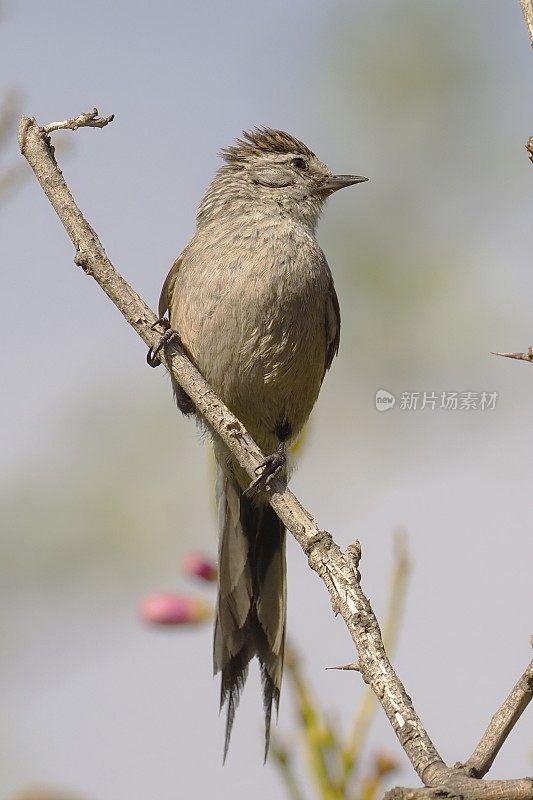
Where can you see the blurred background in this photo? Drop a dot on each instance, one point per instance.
(105, 486)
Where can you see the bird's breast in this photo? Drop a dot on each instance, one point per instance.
(252, 314)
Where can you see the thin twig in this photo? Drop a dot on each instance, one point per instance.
(457, 788)
(337, 569)
(89, 119)
(501, 725)
(520, 356)
(353, 667)
(527, 11)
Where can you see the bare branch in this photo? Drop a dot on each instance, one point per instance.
(395, 605)
(527, 11)
(520, 356)
(347, 667)
(89, 119)
(461, 788)
(338, 570)
(501, 725)
(400, 793)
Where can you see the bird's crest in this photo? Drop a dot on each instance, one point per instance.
(264, 140)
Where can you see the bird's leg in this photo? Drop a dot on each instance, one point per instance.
(151, 356)
(266, 470)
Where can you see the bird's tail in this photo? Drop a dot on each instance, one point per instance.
(251, 604)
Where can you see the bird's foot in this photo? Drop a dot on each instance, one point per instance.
(152, 358)
(267, 469)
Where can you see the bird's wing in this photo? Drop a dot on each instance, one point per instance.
(167, 291)
(333, 326)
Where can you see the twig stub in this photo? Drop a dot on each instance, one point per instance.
(89, 119)
(527, 356)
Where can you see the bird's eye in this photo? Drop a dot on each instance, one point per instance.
(299, 163)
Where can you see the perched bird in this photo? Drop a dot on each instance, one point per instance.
(252, 300)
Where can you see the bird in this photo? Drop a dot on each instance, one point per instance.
(253, 302)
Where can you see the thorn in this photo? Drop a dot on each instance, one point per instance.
(520, 356)
(353, 552)
(348, 667)
(335, 607)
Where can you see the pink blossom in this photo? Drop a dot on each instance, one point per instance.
(200, 565)
(166, 608)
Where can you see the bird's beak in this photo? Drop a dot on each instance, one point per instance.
(335, 182)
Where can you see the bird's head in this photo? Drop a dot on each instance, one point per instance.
(273, 169)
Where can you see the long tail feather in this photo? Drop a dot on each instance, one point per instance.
(251, 604)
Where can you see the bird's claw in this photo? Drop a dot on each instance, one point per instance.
(266, 470)
(152, 358)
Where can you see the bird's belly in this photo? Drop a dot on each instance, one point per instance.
(265, 363)
(277, 383)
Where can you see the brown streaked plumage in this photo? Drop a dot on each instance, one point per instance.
(264, 140)
(253, 301)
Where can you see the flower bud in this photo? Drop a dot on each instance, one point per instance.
(200, 566)
(165, 608)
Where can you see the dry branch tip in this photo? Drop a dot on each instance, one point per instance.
(88, 119)
(348, 667)
(528, 356)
